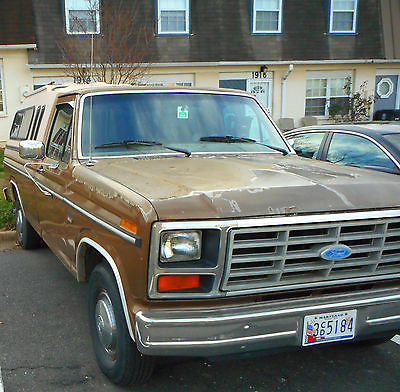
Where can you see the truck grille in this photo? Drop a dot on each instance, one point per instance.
(280, 257)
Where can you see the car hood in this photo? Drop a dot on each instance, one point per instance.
(249, 186)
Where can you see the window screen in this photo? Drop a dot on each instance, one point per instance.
(343, 16)
(82, 16)
(173, 16)
(267, 16)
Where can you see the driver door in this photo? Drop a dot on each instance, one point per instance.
(55, 175)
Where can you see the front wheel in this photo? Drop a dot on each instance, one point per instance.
(26, 234)
(116, 353)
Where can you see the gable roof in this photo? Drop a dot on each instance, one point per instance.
(220, 30)
(391, 27)
(16, 22)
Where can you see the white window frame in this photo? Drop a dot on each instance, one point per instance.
(187, 18)
(255, 9)
(2, 90)
(354, 12)
(328, 76)
(68, 8)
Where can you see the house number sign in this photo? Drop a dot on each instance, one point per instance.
(261, 75)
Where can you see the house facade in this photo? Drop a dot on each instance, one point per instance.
(294, 56)
(17, 37)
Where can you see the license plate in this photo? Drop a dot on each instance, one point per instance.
(329, 327)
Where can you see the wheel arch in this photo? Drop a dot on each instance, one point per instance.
(85, 245)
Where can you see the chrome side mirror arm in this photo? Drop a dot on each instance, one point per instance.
(50, 165)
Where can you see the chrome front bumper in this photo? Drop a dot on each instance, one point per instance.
(255, 327)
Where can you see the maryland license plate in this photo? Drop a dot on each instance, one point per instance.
(329, 327)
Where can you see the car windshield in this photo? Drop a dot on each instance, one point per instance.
(153, 123)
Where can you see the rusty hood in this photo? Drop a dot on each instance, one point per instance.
(249, 186)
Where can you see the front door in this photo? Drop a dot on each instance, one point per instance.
(55, 175)
(387, 93)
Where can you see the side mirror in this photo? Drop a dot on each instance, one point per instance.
(31, 149)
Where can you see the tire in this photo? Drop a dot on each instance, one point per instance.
(116, 353)
(26, 234)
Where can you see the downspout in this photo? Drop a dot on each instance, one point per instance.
(284, 77)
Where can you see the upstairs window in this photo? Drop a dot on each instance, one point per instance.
(2, 100)
(343, 16)
(82, 16)
(267, 16)
(173, 17)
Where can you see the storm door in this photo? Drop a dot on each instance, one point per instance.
(387, 95)
(262, 89)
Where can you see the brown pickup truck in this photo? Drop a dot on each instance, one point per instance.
(199, 230)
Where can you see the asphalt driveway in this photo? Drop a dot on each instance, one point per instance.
(45, 347)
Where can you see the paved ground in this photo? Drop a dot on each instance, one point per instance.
(45, 347)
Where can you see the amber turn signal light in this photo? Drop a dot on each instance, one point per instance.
(178, 282)
(128, 225)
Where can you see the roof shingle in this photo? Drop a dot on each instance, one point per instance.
(16, 22)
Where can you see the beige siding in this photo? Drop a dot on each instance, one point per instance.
(17, 76)
(17, 79)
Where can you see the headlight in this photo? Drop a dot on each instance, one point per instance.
(180, 246)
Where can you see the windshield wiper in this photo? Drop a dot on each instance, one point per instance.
(236, 139)
(128, 143)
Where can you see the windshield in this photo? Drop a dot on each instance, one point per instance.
(177, 120)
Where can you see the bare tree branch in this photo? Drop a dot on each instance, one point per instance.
(121, 50)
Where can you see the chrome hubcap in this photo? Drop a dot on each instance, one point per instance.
(105, 324)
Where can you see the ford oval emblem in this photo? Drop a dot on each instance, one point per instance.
(335, 252)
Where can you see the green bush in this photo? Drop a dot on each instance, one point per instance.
(1, 161)
(7, 214)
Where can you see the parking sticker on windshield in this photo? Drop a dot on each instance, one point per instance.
(182, 112)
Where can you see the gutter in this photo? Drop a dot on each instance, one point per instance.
(18, 47)
(240, 63)
(283, 94)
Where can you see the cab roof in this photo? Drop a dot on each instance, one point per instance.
(73, 88)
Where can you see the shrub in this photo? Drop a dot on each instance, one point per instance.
(7, 214)
(354, 107)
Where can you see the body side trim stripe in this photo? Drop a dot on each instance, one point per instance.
(215, 342)
(383, 320)
(135, 240)
(11, 147)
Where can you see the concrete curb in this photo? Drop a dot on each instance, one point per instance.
(8, 240)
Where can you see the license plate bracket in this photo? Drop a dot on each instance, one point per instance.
(329, 327)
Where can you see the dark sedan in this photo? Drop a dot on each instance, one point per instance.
(370, 145)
